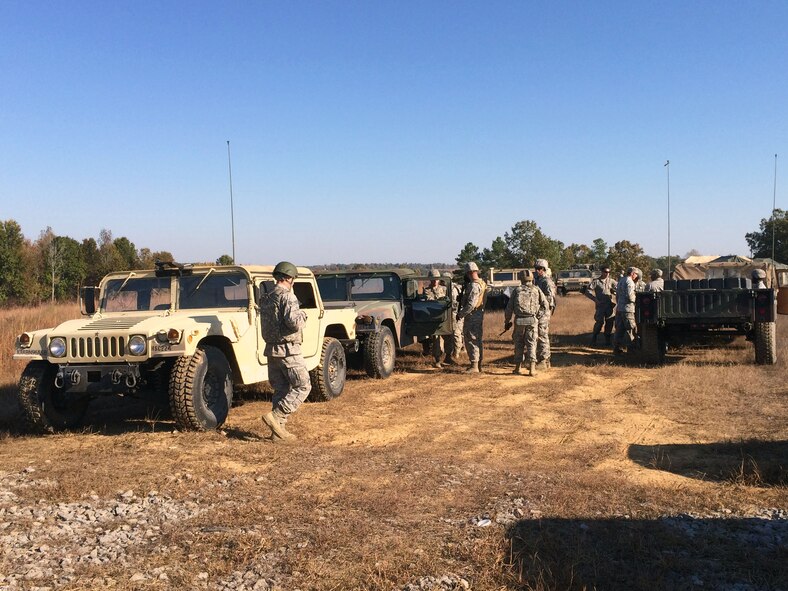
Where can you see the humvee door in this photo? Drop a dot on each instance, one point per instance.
(425, 317)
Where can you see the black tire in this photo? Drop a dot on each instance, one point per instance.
(328, 378)
(201, 390)
(651, 348)
(45, 408)
(765, 343)
(380, 353)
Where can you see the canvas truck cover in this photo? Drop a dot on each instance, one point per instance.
(723, 269)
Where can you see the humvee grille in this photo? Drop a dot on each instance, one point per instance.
(97, 347)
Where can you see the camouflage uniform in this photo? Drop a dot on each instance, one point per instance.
(454, 341)
(434, 293)
(640, 285)
(281, 323)
(472, 313)
(657, 284)
(601, 292)
(526, 302)
(545, 283)
(625, 313)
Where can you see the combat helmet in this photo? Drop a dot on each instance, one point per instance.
(285, 269)
(758, 274)
(541, 263)
(525, 276)
(435, 274)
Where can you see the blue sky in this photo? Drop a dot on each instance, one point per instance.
(392, 131)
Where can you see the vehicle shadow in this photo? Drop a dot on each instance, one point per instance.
(668, 553)
(751, 462)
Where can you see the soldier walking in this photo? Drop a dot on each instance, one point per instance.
(625, 310)
(545, 283)
(472, 312)
(281, 322)
(526, 302)
(435, 291)
(601, 291)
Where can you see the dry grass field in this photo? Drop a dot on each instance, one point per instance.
(598, 474)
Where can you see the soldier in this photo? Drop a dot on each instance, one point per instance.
(545, 283)
(640, 285)
(601, 291)
(758, 279)
(472, 312)
(454, 341)
(656, 283)
(526, 302)
(281, 322)
(625, 310)
(435, 291)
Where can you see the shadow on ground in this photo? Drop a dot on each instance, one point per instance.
(751, 462)
(672, 553)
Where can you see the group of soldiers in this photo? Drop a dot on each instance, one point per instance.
(614, 303)
(528, 311)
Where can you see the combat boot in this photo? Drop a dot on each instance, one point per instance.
(278, 430)
(437, 365)
(474, 368)
(516, 369)
(532, 369)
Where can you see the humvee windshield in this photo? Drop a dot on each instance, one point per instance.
(205, 290)
(337, 288)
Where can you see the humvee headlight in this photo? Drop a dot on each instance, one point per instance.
(57, 347)
(137, 345)
(25, 340)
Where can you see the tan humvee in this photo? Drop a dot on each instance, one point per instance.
(192, 332)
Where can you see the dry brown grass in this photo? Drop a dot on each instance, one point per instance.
(582, 465)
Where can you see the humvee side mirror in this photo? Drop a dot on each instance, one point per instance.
(411, 289)
(87, 300)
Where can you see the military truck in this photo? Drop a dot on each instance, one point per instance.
(500, 285)
(190, 332)
(575, 279)
(714, 305)
(390, 311)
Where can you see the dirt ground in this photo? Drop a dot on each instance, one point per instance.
(597, 474)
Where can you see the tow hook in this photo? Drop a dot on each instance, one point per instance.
(59, 380)
(131, 380)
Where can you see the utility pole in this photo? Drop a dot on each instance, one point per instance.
(232, 211)
(774, 208)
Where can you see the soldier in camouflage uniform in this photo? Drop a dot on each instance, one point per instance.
(545, 283)
(454, 341)
(281, 323)
(625, 310)
(601, 291)
(656, 283)
(472, 312)
(525, 303)
(640, 285)
(758, 279)
(435, 291)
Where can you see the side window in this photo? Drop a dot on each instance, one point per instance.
(305, 295)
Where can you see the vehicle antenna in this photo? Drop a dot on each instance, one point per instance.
(232, 213)
(667, 166)
(774, 207)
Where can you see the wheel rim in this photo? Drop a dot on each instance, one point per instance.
(212, 389)
(386, 350)
(336, 371)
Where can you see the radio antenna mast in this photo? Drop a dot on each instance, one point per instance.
(232, 212)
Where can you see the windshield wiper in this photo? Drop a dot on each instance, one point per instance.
(199, 285)
(125, 281)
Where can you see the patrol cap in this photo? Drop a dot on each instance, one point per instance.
(758, 274)
(525, 276)
(541, 263)
(435, 273)
(471, 267)
(655, 273)
(286, 269)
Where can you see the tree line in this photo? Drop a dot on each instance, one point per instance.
(525, 242)
(54, 267)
